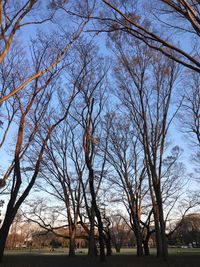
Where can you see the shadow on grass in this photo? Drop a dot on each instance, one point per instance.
(27, 260)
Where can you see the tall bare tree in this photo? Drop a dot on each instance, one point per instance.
(33, 120)
(126, 18)
(145, 89)
(87, 112)
(61, 171)
(120, 231)
(125, 155)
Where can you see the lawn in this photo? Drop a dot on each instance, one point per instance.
(178, 257)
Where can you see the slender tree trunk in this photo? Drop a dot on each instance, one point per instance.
(98, 215)
(91, 245)
(157, 234)
(162, 228)
(107, 239)
(146, 242)
(72, 243)
(146, 247)
(155, 212)
(11, 212)
(108, 248)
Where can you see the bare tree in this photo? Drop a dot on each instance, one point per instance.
(124, 18)
(12, 17)
(64, 164)
(33, 117)
(61, 175)
(125, 155)
(189, 117)
(87, 113)
(149, 106)
(65, 184)
(120, 231)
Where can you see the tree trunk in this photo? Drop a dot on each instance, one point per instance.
(8, 220)
(4, 230)
(117, 248)
(146, 242)
(162, 228)
(157, 231)
(72, 243)
(158, 240)
(164, 240)
(139, 245)
(91, 245)
(108, 243)
(146, 247)
(138, 233)
(98, 215)
(3, 236)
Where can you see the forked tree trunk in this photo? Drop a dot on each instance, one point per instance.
(146, 242)
(146, 247)
(138, 232)
(98, 215)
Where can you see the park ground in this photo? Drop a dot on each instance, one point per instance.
(179, 257)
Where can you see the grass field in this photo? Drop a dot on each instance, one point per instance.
(45, 258)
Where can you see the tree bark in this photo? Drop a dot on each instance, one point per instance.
(92, 252)
(146, 247)
(4, 230)
(98, 215)
(107, 239)
(3, 236)
(157, 235)
(162, 228)
(72, 243)
(136, 227)
(139, 245)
